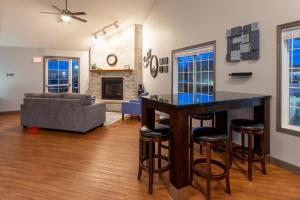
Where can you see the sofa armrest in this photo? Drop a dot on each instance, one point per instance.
(94, 115)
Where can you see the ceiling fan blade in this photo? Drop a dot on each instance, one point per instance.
(78, 13)
(52, 13)
(58, 9)
(77, 18)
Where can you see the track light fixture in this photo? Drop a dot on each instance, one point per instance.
(104, 29)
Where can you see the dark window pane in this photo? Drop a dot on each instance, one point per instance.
(294, 79)
(205, 88)
(296, 58)
(191, 77)
(204, 56)
(190, 88)
(180, 87)
(190, 64)
(295, 97)
(198, 66)
(198, 77)
(180, 67)
(211, 65)
(205, 77)
(294, 116)
(198, 88)
(296, 43)
(211, 77)
(205, 65)
(211, 55)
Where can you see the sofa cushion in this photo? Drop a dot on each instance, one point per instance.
(53, 95)
(34, 95)
(86, 99)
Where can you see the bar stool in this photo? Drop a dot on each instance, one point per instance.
(210, 137)
(202, 117)
(158, 135)
(164, 120)
(250, 128)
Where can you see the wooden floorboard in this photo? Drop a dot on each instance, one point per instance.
(42, 164)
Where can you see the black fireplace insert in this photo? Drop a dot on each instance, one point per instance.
(112, 88)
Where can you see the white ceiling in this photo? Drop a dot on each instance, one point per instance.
(21, 23)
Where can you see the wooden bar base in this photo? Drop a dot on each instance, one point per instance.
(178, 194)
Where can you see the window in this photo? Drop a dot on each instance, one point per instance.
(194, 72)
(289, 78)
(61, 75)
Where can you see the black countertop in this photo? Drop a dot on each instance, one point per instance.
(189, 99)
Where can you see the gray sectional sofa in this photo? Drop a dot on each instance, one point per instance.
(69, 112)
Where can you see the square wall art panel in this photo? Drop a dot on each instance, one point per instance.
(243, 43)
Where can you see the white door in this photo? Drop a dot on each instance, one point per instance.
(58, 75)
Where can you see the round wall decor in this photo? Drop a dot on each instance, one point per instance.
(154, 66)
(112, 59)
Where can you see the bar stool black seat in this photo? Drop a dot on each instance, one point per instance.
(208, 116)
(210, 137)
(250, 128)
(159, 134)
(163, 119)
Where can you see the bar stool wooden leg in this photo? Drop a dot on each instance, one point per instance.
(159, 155)
(208, 160)
(263, 157)
(243, 147)
(250, 157)
(230, 145)
(228, 190)
(191, 158)
(140, 159)
(151, 167)
(201, 149)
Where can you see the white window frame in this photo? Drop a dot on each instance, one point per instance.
(284, 33)
(192, 50)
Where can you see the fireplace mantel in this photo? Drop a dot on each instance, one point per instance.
(111, 70)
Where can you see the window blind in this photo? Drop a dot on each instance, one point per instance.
(291, 33)
(196, 51)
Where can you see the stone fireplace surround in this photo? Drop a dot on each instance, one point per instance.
(129, 52)
(130, 88)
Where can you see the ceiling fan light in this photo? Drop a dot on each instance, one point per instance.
(66, 18)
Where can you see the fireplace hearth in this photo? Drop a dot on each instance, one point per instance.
(112, 88)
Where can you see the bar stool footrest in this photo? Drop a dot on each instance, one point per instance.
(156, 170)
(204, 174)
(237, 153)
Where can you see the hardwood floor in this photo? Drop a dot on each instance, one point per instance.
(43, 164)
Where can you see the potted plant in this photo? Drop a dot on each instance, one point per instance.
(94, 66)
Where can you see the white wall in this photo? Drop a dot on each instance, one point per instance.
(173, 24)
(28, 75)
(122, 44)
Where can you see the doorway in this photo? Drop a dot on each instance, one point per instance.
(61, 75)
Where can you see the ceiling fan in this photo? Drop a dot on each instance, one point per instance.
(66, 15)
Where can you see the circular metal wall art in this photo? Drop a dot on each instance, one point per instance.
(154, 66)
